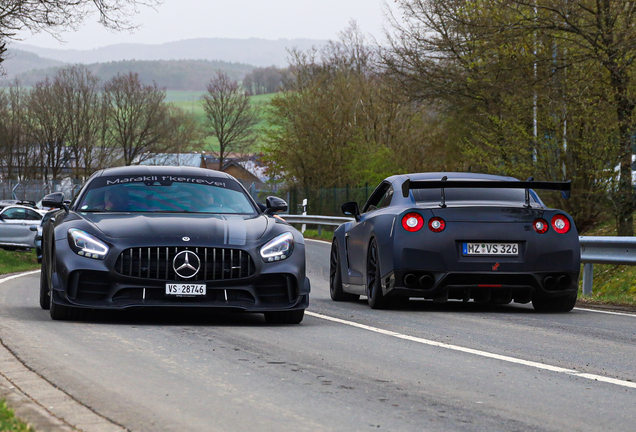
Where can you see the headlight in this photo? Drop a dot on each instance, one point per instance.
(278, 248)
(86, 245)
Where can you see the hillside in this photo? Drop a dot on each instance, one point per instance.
(258, 52)
(18, 62)
(171, 74)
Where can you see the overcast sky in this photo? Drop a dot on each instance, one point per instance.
(186, 19)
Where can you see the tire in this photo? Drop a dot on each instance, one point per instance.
(335, 277)
(45, 289)
(285, 317)
(374, 275)
(559, 304)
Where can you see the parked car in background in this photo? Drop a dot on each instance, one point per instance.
(461, 236)
(18, 226)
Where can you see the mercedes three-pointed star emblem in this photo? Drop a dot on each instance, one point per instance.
(186, 264)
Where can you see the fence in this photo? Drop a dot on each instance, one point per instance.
(34, 190)
(322, 201)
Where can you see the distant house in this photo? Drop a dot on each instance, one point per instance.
(238, 166)
(244, 167)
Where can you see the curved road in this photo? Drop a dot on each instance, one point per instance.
(451, 367)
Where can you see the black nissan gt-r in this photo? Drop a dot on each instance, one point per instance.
(171, 237)
(461, 236)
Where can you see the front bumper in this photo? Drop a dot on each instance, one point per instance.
(90, 283)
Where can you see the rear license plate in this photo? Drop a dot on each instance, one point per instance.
(185, 289)
(509, 249)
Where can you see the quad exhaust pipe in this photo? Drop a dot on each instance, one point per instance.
(425, 281)
(557, 282)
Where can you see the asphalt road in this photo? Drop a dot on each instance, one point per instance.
(452, 367)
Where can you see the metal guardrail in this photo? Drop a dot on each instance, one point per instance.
(594, 250)
(604, 250)
(317, 220)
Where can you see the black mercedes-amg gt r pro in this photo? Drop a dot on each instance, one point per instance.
(462, 236)
(171, 237)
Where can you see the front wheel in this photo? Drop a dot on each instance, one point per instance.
(376, 299)
(285, 317)
(335, 277)
(559, 304)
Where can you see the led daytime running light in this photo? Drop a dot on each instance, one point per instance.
(84, 244)
(278, 248)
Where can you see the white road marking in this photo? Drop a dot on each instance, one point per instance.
(18, 275)
(318, 241)
(486, 354)
(606, 312)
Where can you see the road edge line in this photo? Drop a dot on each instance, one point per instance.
(480, 353)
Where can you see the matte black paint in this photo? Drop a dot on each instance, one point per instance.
(439, 254)
(125, 230)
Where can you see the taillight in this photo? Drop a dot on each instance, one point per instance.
(412, 222)
(540, 225)
(437, 224)
(561, 224)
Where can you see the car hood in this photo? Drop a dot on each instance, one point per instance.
(206, 228)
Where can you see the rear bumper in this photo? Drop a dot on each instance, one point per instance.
(520, 287)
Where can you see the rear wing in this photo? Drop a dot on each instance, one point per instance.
(444, 183)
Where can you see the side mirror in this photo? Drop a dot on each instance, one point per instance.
(55, 200)
(351, 209)
(275, 204)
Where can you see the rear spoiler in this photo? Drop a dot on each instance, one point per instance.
(444, 183)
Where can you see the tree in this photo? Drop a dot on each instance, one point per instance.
(53, 16)
(263, 80)
(85, 113)
(137, 118)
(230, 117)
(544, 86)
(339, 121)
(48, 127)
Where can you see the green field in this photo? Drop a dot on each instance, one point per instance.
(190, 101)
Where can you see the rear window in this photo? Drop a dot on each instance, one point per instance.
(473, 196)
(165, 194)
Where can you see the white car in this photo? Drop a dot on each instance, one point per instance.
(18, 226)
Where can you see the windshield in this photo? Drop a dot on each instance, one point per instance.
(165, 194)
(473, 196)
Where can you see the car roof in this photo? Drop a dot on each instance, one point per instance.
(140, 170)
(450, 175)
(4, 206)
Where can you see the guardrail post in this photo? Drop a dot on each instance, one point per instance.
(588, 278)
(304, 227)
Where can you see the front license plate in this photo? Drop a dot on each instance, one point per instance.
(185, 289)
(509, 249)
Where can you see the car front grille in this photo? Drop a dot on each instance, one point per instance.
(157, 263)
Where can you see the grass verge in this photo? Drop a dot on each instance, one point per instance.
(613, 285)
(8, 421)
(325, 235)
(17, 261)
